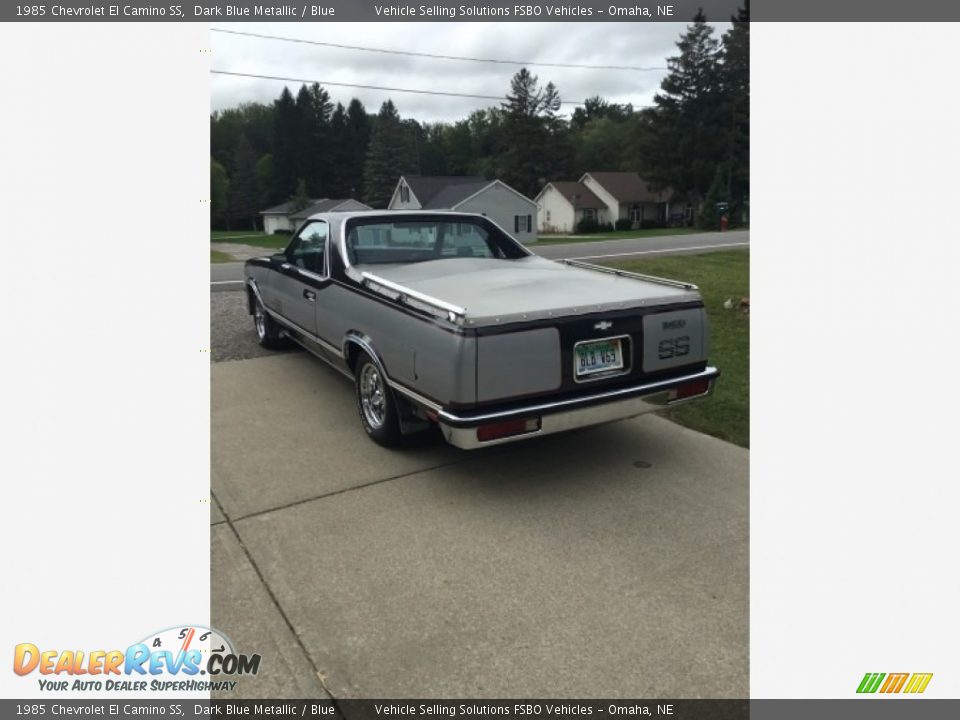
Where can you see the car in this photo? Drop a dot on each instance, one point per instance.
(443, 319)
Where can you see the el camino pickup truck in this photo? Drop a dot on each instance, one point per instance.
(443, 318)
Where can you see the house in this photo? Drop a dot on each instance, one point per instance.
(561, 205)
(628, 196)
(495, 199)
(281, 217)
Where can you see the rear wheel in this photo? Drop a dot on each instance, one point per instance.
(268, 332)
(375, 403)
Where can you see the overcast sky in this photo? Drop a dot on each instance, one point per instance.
(635, 44)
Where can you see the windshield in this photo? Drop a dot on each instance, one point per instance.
(413, 240)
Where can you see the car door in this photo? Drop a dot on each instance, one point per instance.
(300, 279)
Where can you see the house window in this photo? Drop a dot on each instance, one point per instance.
(404, 193)
(589, 213)
(636, 213)
(548, 216)
(523, 223)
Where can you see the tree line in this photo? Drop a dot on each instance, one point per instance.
(694, 141)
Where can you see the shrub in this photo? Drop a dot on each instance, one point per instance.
(281, 231)
(587, 225)
(623, 224)
(605, 227)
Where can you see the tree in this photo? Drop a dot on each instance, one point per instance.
(735, 83)
(686, 139)
(709, 217)
(389, 155)
(219, 189)
(286, 153)
(300, 199)
(244, 192)
(534, 137)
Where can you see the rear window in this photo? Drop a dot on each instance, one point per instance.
(415, 240)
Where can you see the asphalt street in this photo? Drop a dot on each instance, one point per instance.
(229, 276)
(607, 562)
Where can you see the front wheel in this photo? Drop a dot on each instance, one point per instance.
(268, 332)
(378, 409)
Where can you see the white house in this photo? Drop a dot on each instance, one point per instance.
(627, 195)
(508, 208)
(280, 217)
(562, 204)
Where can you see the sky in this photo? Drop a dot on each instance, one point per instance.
(629, 43)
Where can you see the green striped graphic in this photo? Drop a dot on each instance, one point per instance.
(870, 682)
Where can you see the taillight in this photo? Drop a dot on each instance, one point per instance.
(690, 389)
(507, 428)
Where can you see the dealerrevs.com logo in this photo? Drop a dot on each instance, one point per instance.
(180, 659)
(911, 683)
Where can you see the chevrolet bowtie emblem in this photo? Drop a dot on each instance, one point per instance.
(603, 325)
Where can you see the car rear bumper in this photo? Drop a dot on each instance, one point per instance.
(467, 431)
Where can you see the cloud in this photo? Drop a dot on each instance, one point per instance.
(627, 43)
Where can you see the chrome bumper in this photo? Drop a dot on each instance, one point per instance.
(461, 430)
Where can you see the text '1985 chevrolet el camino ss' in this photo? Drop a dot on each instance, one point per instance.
(443, 318)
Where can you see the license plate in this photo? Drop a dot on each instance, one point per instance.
(597, 356)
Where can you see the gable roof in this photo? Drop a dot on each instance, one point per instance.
(577, 194)
(281, 209)
(625, 186)
(319, 206)
(427, 188)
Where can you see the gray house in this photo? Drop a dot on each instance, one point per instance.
(511, 210)
(280, 217)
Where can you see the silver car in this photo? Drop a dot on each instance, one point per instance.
(444, 319)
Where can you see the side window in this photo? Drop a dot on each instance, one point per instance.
(308, 248)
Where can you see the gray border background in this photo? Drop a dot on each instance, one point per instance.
(365, 11)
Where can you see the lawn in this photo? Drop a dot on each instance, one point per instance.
(615, 235)
(221, 257)
(257, 239)
(720, 275)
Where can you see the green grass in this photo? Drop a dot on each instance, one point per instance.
(221, 257)
(218, 234)
(615, 235)
(720, 275)
(255, 239)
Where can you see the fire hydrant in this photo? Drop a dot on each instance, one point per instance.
(724, 222)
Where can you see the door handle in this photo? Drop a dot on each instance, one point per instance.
(310, 295)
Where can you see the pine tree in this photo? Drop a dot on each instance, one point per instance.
(686, 139)
(244, 194)
(285, 150)
(709, 217)
(300, 199)
(389, 156)
(735, 82)
(219, 193)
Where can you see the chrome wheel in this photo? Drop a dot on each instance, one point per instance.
(260, 320)
(373, 396)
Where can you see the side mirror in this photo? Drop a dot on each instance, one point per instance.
(278, 259)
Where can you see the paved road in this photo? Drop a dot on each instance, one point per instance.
(609, 562)
(228, 276)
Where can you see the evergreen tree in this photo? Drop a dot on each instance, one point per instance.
(300, 199)
(709, 217)
(243, 191)
(532, 134)
(357, 139)
(686, 139)
(286, 153)
(735, 82)
(389, 155)
(219, 197)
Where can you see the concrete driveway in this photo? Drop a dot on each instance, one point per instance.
(610, 562)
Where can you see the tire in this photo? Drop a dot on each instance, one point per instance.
(268, 332)
(376, 404)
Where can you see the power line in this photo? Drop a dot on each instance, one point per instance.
(410, 53)
(373, 87)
